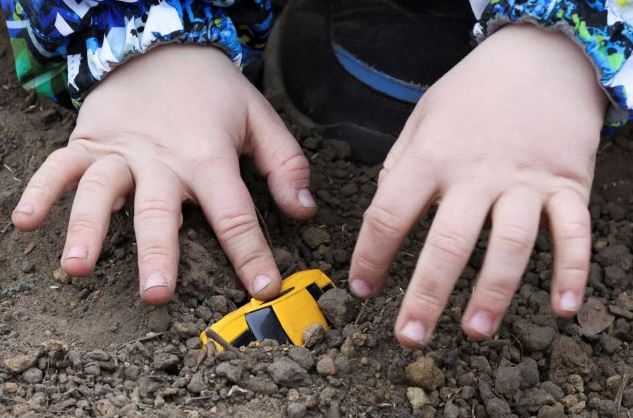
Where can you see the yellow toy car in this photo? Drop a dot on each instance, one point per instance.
(283, 319)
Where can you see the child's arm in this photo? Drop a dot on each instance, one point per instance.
(64, 48)
(168, 126)
(602, 29)
(511, 132)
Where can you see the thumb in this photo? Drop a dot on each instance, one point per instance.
(279, 158)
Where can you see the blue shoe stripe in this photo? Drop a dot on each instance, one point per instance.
(386, 84)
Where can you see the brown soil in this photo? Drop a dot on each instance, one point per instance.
(89, 347)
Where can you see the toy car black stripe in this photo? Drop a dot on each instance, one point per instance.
(246, 338)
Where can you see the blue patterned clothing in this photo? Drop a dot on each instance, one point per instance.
(602, 28)
(63, 48)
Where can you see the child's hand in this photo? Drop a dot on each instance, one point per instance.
(511, 131)
(171, 126)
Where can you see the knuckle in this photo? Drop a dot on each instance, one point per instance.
(208, 170)
(418, 157)
(383, 223)
(249, 262)
(57, 158)
(427, 300)
(234, 226)
(575, 231)
(83, 225)
(35, 188)
(514, 238)
(295, 162)
(575, 271)
(95, 183)
(154, 210)
(495, 295)
(365, 262)
(152, 252)
(55, 164)
(448, 245)
(295, 169)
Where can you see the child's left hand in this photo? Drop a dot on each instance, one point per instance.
(512, 131)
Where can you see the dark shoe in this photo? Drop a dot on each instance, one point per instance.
(354, 69)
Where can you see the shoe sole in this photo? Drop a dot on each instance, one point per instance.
(368, 146)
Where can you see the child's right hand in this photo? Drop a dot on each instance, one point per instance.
(170, 126)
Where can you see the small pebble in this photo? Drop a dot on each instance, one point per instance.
(296, 410)
(314, 237)
(302, 356)
(197, 383)
(313, 335)
(325, 366)
(32, 375)
(158, 320)
(417, 398)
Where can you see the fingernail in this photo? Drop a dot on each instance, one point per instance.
(25, 209)
(155, 280)
(569, 301)
(481, 323)
(306, 199)
(260, 283)
(78, 251)
(360, 288)
(414, 331)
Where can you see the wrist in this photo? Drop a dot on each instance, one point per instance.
(551, 62)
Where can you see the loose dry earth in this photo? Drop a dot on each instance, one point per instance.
(89, 347)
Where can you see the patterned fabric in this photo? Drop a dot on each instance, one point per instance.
(63, 48)
(603, 28)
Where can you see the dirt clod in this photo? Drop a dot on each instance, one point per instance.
(325, 366)
(92, 369)
(615, 255)
(296, 410)
(158, 320)
(287, 373)
(604, 407)
(424, 373)
(219, 304)
(538, 338)
(232, 370)
(165, 361)
(417, 398)
(314, 237)
(555, 411)
(21, 362)
(313, 335)
(495, 406)
(594, 317)
(186, 329)
(339, 307)
(529, 373)
(283, 258)
(197, 383)
(568, 358)
(508, 380)
(32, 375)
(302, 356)
(61, 276)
